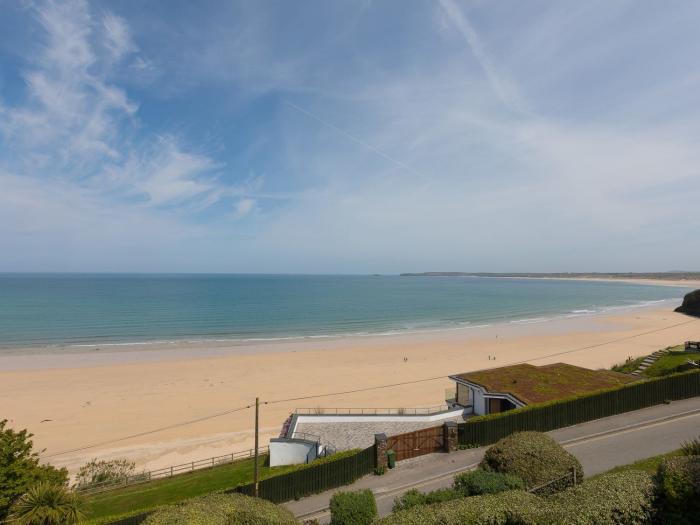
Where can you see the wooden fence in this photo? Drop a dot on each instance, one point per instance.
(314, 479)
(417, 443)
(489, 429)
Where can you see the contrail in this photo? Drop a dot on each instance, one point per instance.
(503, 89)
(358, 140)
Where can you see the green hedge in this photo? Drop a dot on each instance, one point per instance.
(222, 509)
(624, 498)
(415, 497)
(353, 508)
(484, 430)
(679, 484)
(479, 482)
(328, 473)
(536, 459)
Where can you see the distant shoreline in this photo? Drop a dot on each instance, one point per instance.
(658, 278)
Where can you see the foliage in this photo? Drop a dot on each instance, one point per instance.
(623, 498)
(691, 448)
(380, 470)
(353, 508)
(533, 457)
(222, 509)
(96, 472)
(20, 468)
(506, 508)
(679, 482)
(47, 504)
(479, 482)
(612, 499)
(630, 365)
(415, 497)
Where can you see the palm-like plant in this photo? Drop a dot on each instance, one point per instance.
(47, 504)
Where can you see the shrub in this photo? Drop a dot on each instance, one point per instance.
(222, 509)
(20, 468)
(621, 498)
(679, 482)
(506, 508)
(96, 472)
(533, 457)
(47, 504)
(353, 508)
(479, 482)
(414, 497)
(691, 448)
(611, 499)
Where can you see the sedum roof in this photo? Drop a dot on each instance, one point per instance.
(537, 384)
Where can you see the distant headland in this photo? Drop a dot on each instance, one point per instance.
(657, 276)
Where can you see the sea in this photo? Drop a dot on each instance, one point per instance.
(60, 310)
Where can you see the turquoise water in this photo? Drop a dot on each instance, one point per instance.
(72, 309)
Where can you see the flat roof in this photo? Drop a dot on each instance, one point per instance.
(537, 384)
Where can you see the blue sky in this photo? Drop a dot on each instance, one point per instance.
(349, 136)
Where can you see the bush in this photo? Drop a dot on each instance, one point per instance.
(621, 498)
(691, 448)
(679, 483)
(414, 497)
(222, 509)
(611, 499)
(506, 508)
(47, 504)
(479, 482)
(533, 457)
(20, 468)
(96, 472)
(353, 508)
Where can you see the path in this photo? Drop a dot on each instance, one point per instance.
(600, 445)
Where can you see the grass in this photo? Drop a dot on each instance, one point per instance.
(146, 496)
(669, 362)
(629, 366)
(105, 507)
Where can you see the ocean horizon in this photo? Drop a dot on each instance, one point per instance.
(81, 310)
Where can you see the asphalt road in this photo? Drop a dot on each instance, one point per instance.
(600, 445)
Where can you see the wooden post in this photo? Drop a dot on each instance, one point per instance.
(255, 466)
(573, 469)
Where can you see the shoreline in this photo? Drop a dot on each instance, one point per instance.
(74, 401)
(52, 355)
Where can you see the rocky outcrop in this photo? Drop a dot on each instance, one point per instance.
(691, 304)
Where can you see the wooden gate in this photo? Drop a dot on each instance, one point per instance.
(417, 443)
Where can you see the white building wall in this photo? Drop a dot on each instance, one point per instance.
(479, 402)
(292, 452)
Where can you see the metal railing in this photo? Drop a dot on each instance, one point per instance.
(168, 472)
(320, 411)
(306, 436)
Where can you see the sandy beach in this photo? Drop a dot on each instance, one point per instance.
(95, 400)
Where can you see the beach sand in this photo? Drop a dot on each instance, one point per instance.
(71, 399)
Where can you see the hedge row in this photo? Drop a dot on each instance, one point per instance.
(318, 476)
(222, 509)
(544, 417)
(611, 499)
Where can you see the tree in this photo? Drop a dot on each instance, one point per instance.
(20, 468)
(97, 472)
(47, 504)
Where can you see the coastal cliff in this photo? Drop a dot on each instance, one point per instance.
(691, 304)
